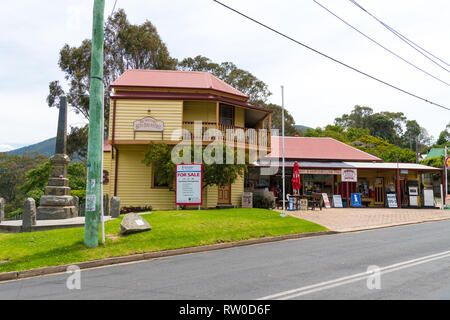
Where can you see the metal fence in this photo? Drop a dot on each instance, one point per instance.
(18, 217)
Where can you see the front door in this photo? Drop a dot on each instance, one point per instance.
(379, 191)
(224, 194)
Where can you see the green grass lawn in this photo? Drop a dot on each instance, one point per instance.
(170, 230)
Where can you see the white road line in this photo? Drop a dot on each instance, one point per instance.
(353, 278)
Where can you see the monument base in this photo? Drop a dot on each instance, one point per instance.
(56, 207)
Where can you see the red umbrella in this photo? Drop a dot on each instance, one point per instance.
(296, 178)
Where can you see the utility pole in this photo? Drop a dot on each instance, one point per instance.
(282, 151)
(95, 140)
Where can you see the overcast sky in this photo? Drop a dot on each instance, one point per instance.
(317, 90)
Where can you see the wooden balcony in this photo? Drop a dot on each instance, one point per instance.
(240, 136)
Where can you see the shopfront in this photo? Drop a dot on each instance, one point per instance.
(375, 181)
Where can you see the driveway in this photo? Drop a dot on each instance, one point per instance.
(353, 219)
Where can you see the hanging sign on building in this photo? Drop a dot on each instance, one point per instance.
(149, 124)
(349, 175)
(447, 162)
(188, 184)
(318, 171)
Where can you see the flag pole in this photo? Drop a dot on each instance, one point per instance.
(282, 148)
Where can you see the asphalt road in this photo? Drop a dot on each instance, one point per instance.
(414, 263)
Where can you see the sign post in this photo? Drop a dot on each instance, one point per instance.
(189, 184)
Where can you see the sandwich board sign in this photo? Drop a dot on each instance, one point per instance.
(356, 200)
(325, 200)
(189, 184)
(391, 200)
(337, 201)
(428, 198)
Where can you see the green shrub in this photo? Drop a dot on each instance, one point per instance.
(81, 194)
(263, 199)
(15, 213)
(36, 194)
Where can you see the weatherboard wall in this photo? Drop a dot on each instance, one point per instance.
(128, 111)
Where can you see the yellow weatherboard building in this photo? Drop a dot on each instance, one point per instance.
(153, 106)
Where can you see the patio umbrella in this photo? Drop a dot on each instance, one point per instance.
(296, 178)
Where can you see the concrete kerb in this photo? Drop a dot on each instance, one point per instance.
(16, 275)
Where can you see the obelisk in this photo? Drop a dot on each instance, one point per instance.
(57, 203)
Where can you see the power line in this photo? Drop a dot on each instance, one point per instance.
(331, 58)
(405, 39)
(114, 7)
(377, 43)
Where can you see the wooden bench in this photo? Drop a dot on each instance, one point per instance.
(315, 201)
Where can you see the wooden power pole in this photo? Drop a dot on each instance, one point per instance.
(95, 140)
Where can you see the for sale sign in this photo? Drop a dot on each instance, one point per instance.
(188, 184)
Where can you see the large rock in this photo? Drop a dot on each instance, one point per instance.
(114, 207)
(2, 209)
(133, 223)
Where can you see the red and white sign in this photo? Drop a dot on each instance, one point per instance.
(447, 162)
(326, 200)
(189, 184)
(148, 124)
(349, 175)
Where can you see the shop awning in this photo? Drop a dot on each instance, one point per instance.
(347, 165)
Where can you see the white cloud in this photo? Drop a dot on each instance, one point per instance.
(6, 147)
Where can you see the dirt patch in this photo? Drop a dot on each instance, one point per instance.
(4, 261)
(113, 237)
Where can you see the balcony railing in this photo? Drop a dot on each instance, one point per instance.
(250, 137)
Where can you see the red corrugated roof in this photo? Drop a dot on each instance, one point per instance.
(174, 79)
(318, 149)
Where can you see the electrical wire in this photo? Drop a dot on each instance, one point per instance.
(405, 39)
(379, 44)
(114, 7)
(331, 58)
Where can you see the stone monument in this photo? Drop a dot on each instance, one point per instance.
(57, 203)
(29, 215)
(2, 209)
